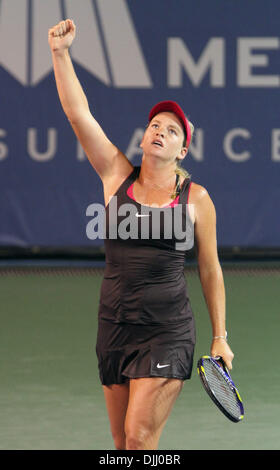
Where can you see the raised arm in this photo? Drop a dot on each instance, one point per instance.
(210, 271)
(104, 156)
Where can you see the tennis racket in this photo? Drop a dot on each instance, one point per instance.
(219, 385)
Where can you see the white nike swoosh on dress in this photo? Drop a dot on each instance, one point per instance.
(163, 365)
(142, 215)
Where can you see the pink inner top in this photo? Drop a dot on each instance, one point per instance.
(130, 194)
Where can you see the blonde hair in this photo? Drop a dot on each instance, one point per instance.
(179, 170)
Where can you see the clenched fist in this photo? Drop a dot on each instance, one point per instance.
(62, 35)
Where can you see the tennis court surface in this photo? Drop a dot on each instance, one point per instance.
(50, 394)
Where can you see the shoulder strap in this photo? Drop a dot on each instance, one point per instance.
(185, 189)
(129, 180)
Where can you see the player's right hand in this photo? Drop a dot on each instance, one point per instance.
(62, 35)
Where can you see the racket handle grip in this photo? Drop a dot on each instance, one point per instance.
(220, 359)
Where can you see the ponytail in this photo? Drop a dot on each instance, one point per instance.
(179, 170)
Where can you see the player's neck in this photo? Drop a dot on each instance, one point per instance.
(157, 172)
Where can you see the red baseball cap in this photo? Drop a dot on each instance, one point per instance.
(173, 107)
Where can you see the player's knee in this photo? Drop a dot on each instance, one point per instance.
(135, 442)
(137, 438)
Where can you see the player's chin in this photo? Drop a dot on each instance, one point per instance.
(156, 149)
(162, 153)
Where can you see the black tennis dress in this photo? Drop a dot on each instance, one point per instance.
(145, 322)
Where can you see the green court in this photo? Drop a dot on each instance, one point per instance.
(51, 398)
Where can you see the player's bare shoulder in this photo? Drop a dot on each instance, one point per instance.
(201, 202)
(197, 193)
(121, 170)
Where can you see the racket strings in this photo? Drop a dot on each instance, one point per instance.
(222, 389)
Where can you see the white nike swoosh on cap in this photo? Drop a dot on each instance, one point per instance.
(163, 365)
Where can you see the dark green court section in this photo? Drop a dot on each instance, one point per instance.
(50, 396)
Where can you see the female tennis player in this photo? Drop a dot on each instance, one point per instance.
(146, 332)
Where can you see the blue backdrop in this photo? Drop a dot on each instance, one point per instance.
(219, 59)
